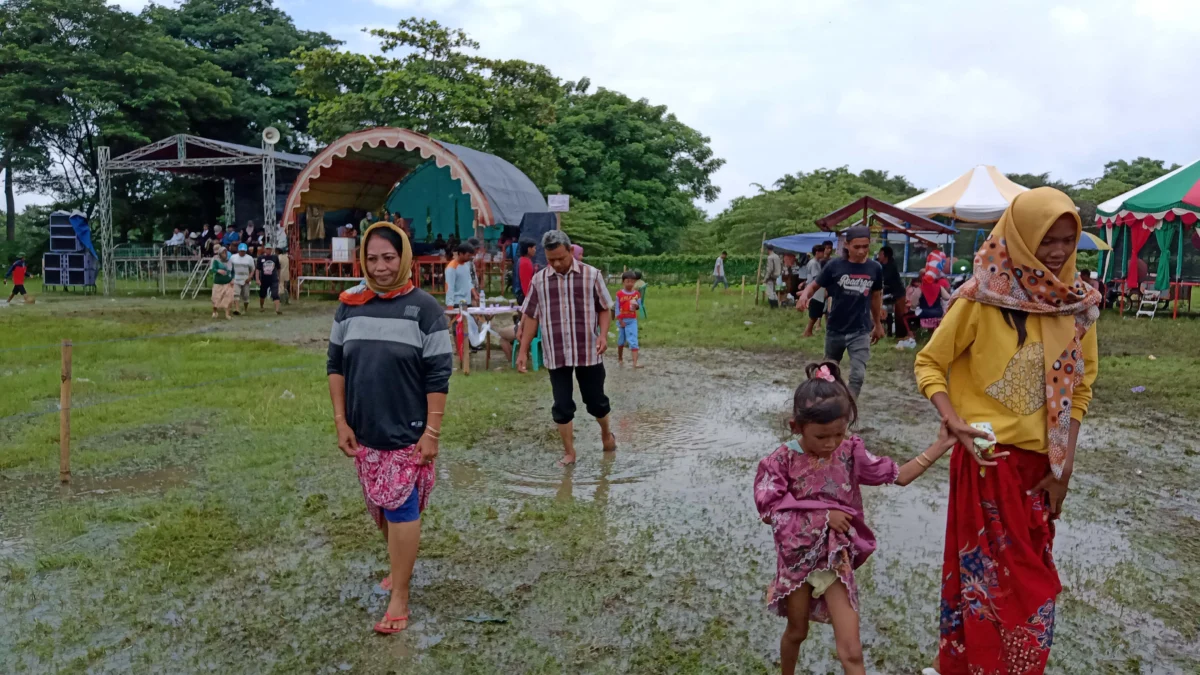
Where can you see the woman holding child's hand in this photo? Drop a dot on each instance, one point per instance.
(1016, 350)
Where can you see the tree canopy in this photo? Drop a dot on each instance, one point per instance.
(437, 86)
(253, 42)
(638, 158)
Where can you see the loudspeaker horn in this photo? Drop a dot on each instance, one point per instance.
(271, 135)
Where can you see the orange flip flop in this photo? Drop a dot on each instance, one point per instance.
(384, 630)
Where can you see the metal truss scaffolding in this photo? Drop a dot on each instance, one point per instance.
(214, 160)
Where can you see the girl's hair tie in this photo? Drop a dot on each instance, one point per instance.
(823, 373)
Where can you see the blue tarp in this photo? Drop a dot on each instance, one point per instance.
(801, 243)
(83, 232)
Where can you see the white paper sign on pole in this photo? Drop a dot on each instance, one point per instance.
(343, 249)
(559, 203)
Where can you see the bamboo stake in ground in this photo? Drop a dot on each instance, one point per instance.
(64, 416)
(698, 277)
(743, 298)
(758, 274)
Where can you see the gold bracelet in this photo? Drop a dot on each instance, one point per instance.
(923, 464)
(437, 413)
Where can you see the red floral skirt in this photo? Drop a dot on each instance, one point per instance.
(998, 576)
(388, 478)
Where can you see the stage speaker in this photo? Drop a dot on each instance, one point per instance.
(62, 235)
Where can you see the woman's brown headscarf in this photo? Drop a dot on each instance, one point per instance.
(1008, 275)
(403, 283)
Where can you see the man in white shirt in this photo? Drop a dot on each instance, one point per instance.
(176, 239)
(719, 271)
(459, 289)
(774, 269)
(816, 308)
(243, 270)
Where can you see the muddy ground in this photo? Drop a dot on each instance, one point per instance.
(649, 560)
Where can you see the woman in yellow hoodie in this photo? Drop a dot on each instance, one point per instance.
(1017, 350)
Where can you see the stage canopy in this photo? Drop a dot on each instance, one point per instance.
(978, 196)
(376, 168)
(1170, 197)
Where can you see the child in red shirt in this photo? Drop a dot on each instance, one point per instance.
(628, 301)
(17, 272)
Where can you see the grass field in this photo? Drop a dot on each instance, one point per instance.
(213, 526)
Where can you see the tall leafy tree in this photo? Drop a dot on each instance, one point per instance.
(28, 94)
(637, 157)
(597, 227)
(116, 80)
(253, 41)
(430, 80)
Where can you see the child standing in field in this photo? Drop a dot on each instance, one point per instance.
(17, 272)
(628, 301)
(808, 492)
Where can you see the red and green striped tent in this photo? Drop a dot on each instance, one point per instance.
(1167, 207)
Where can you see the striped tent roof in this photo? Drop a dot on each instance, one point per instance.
(978, 196)
(1175, 195)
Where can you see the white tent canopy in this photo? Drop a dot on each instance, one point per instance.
(980, 195)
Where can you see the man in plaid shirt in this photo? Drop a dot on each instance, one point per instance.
(571, 304)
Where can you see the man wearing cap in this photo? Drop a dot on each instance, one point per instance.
(243, 270)
(855, 322)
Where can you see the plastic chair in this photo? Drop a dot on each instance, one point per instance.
(535, 351)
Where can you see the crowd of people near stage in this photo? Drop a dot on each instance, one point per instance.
(234, 275)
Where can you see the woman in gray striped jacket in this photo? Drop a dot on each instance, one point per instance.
(389, 371)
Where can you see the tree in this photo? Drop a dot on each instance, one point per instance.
(1037, 180)
(793, 207)
(27, 96)
(438, 87)
(117, 82)
(597, 227)
(637, 157)
(253, 41)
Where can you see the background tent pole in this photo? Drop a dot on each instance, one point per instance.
(107, 265)
(758, 275)
(229, 218)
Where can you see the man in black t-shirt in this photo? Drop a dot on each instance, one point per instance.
(855, 321)
(266, 270)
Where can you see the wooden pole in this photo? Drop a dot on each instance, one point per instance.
(758, 274)
(64, 416)
(742, 300)
(698, 278)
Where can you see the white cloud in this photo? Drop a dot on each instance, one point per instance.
(1072, 20)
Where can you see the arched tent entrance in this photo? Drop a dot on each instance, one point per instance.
(435, 184)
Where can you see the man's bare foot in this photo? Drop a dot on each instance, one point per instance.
(807, 333)
(637, 365)
(567, 460)
(610, 443)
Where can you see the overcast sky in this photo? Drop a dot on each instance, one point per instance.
(925, 88)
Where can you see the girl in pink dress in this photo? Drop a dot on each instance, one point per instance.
(808, 492)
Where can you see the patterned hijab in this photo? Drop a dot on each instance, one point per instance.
(371, 289)
(1008, 275)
